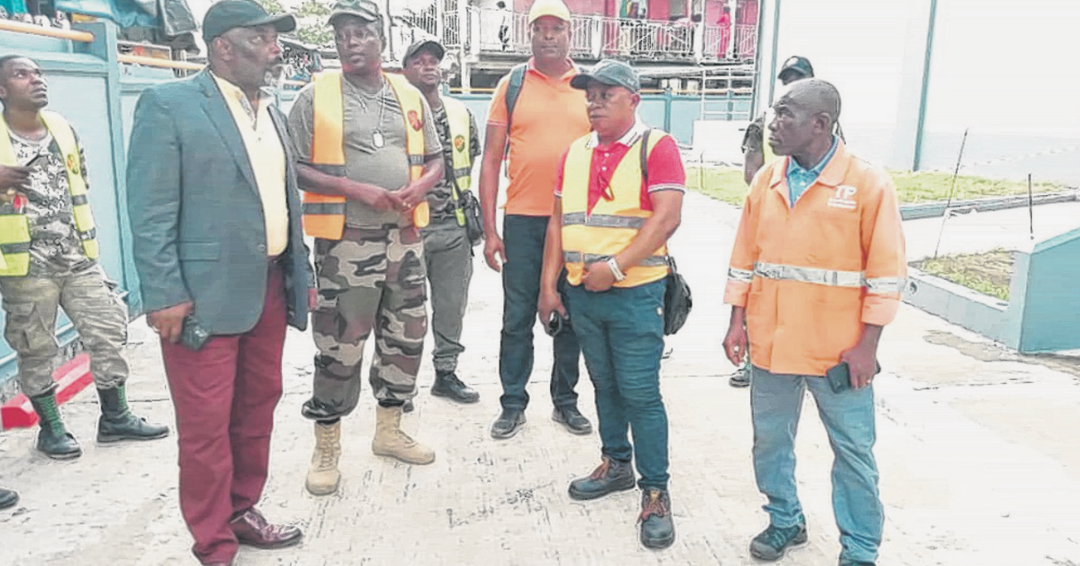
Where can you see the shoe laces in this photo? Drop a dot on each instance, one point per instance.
(452, 378)
(602, 470)
(654, 505)
(777, 537)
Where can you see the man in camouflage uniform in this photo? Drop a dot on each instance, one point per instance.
(54, 264)
(371, 277)
(448, 253)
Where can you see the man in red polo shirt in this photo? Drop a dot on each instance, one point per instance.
(619, 198)
(547, 116)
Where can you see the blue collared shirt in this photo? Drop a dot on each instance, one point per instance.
(800, 179)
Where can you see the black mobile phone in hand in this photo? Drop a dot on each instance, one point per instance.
(192, 334)
(555, 324)
(839, 376)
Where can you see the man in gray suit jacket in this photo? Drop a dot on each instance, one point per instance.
(219, 249)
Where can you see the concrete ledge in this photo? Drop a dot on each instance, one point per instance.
(957, 304)
(933, 209)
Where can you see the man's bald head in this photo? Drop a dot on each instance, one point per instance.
(805, 117)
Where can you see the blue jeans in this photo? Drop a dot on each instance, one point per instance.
(622, 337)
(775, 403)
(524, 237)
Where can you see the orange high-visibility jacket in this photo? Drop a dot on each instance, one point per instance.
(811, 276)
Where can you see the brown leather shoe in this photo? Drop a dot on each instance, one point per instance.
(252, 529)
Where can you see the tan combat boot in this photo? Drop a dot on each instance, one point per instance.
(391, 441)
(323, 476)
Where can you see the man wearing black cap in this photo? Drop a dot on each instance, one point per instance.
(609, 231)
(756, 153)
(223, 267)
(447, 248)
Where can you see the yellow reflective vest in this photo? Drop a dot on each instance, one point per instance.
(591, 236)
(324, 215)
(461, 143)
(15, 227)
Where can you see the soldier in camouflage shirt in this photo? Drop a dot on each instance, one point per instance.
(35, 177)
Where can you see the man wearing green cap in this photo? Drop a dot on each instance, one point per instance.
(448, 252)
(619, 195)
(368, 155)
(212, 196)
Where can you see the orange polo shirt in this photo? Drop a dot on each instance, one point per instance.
(548, 117)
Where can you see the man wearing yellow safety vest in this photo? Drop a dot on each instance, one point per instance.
(49, 245)
(447, 248)
(368, 155)
(815, 275)
(619, 197)
(756, 153)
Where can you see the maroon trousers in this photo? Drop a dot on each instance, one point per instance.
(225, 395)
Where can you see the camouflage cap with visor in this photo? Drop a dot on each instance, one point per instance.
(366, 10)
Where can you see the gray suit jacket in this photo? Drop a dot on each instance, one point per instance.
(196, 214)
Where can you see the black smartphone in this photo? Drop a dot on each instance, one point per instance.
(555, 324)
(192, 334)
(839, 376)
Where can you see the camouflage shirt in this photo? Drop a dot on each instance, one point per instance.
(55, 246)
(441, 196)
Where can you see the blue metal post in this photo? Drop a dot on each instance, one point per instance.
(921, 125)
(668, 105)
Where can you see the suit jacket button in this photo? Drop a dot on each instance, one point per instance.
(262, 249)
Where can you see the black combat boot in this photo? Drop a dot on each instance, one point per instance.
(610, 477)
(448, 385)
(117, 423)
(54, 440)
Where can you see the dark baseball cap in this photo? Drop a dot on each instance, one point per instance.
(609, 72)
(228, 14)
(419, 46)
(366, 10)
(796, 64)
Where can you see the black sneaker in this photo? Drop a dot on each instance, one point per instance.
(741, 378)
(612, 476)
(572, 419)
(508, 424)
(448, 385)
(657, 525)
(774, 542)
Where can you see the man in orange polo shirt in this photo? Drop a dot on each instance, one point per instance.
(548, 115)
(815, 275)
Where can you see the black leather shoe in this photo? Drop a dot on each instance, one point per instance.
(610, 477)
(53, 440)
(572, 419)
(448, 385)
(8, 498)
(508, 424)
(657, 526)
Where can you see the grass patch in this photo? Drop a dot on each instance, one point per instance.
(988, 273)
(726, 184)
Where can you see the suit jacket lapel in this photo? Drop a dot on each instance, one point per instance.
(215, 107)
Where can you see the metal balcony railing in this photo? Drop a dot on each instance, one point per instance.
(739, 43)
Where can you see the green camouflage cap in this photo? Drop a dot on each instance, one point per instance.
(609, 72)
(364, 9)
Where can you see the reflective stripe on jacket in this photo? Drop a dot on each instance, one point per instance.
(461, 143)
(590, 236)
(15, 228)
(324, 215)
(810, 276)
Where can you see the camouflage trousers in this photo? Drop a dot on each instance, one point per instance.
(89, 300)
(371, 279)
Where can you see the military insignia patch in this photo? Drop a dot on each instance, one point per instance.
(73, 164)
(415, 121)
(459, 143)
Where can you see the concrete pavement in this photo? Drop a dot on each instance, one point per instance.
(979, 459)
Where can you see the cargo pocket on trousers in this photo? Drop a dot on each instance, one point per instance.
(25, 331)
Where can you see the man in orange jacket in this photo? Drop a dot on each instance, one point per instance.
(816, 273)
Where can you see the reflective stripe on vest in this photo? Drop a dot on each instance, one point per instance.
(324, 215)
(15, 228)
(827, 277)
(461, 144)
(590, 236)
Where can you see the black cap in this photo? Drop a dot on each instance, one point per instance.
(796, 64)
(419, 46)
(609, 72)
(228, 14)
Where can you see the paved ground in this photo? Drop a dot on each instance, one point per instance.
(979, 458)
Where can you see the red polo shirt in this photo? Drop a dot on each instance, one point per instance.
(666, 172)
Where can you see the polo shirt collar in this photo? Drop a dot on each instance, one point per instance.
(831, 175)
(629, 138)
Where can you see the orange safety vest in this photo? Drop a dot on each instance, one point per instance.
(811, 275)
(591, 236)
(324, 215)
